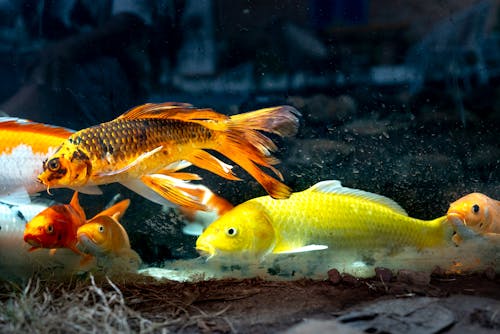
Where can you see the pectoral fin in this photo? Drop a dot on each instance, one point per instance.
(174, 190)
(308, 248)
(140, 188)
(134, 163)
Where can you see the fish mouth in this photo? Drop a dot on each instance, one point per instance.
(86, 245)
(455, 215)
(206, 250)
(33, 241)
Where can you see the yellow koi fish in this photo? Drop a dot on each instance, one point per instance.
(327, 215)
(149, 144)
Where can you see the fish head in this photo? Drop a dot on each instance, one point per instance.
(96, 236)
(245, 230)
(473, 209)
(51, 228)
(67, 167)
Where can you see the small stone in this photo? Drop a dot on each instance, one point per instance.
(438, 271)
(413, 277)
(350, 280)
(490, 273)
(384, 274)
(334, 276)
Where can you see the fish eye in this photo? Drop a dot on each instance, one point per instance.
(231, 231)
(53, 165)
(101, 228)
(50, 229)
(475, 208)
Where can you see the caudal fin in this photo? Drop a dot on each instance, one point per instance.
(245, 145)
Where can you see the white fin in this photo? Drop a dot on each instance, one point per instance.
(133, 163)
(140, 188)
(308, 248)
(335, 187)
(17, 197)
(194, 229)
(89, 190)
(201, 220)
(178, 165)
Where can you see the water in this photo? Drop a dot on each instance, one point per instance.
(406, 110)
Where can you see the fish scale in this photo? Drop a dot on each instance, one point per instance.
(122, 141)
(349, 223)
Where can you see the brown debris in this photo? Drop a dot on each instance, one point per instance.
(418, 278)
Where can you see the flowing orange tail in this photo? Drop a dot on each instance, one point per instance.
(242, 142)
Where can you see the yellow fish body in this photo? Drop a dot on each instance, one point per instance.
(326, 215)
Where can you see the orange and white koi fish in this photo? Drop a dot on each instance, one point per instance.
(24, 145)
(106, 239)
(478, 212)
(56, 226)
(149, 144)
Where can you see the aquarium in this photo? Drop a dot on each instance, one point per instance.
(177, 165)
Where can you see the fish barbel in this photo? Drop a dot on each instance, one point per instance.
(152, 142)
(326, 215)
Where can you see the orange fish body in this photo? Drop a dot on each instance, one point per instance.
(57, 226)
(478, 212)
(24, 145)
(148, 143)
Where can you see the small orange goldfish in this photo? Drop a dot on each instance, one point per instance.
(56, 226)
(478, 212)
(106, 239)
(150, 143)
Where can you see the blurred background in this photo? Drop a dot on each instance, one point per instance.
(399, 97)
(77, 62)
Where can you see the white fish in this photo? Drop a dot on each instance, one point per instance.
(24, 145)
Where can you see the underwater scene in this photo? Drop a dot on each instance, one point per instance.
(253, 167)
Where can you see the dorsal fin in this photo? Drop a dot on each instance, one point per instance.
(75, 204)
(335, 187)
(172, 110)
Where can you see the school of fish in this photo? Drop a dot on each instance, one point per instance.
(146, 150)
